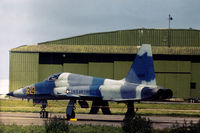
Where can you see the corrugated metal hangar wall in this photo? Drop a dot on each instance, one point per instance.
(176, 56)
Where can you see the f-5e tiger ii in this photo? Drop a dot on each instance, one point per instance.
(138, 85)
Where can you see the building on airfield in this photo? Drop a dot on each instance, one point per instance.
(176, 54)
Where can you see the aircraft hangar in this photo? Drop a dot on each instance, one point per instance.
(176, 54)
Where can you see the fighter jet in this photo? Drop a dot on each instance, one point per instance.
(138, 85)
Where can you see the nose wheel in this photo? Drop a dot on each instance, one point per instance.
(43, 112)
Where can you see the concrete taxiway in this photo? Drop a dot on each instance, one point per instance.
(109, 120)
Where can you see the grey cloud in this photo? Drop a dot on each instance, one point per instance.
(32, 21)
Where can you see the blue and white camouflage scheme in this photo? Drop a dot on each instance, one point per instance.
(139, 84)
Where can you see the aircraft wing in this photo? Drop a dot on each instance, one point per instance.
(126, 100)
(73, 96)
(81, 96)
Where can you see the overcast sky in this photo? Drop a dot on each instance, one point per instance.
(24, 22)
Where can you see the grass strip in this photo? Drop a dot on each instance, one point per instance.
(59, 106)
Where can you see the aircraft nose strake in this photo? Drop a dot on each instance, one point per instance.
(10, 94)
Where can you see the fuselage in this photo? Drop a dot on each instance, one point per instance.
(68, 85)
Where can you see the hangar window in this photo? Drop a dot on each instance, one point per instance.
(54, 77)
(193, 85)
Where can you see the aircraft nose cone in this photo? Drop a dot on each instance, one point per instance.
(10, 94)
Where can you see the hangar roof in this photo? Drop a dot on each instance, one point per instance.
(163, 41)
(155, 37)
(105, 49)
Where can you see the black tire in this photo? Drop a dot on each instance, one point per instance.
(68, 117)
(73, 114)
(41, 114)
(46, 114)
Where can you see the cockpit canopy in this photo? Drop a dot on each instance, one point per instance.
(53, 77)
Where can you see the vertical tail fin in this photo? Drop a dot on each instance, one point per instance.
(142, 69)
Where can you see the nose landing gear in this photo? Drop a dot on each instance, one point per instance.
(43, 112)
(43, 102)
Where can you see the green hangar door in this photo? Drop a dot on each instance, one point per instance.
(195, 80)
(100, 69)
(175, 75)
(23, 69)
(45, 70)
(77, 68)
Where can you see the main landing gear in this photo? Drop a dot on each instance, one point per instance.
(70, 110)
(130, 110)
(96, 105)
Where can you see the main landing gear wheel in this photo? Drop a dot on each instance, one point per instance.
(70, 113)
(71, 116)
(43, 112)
